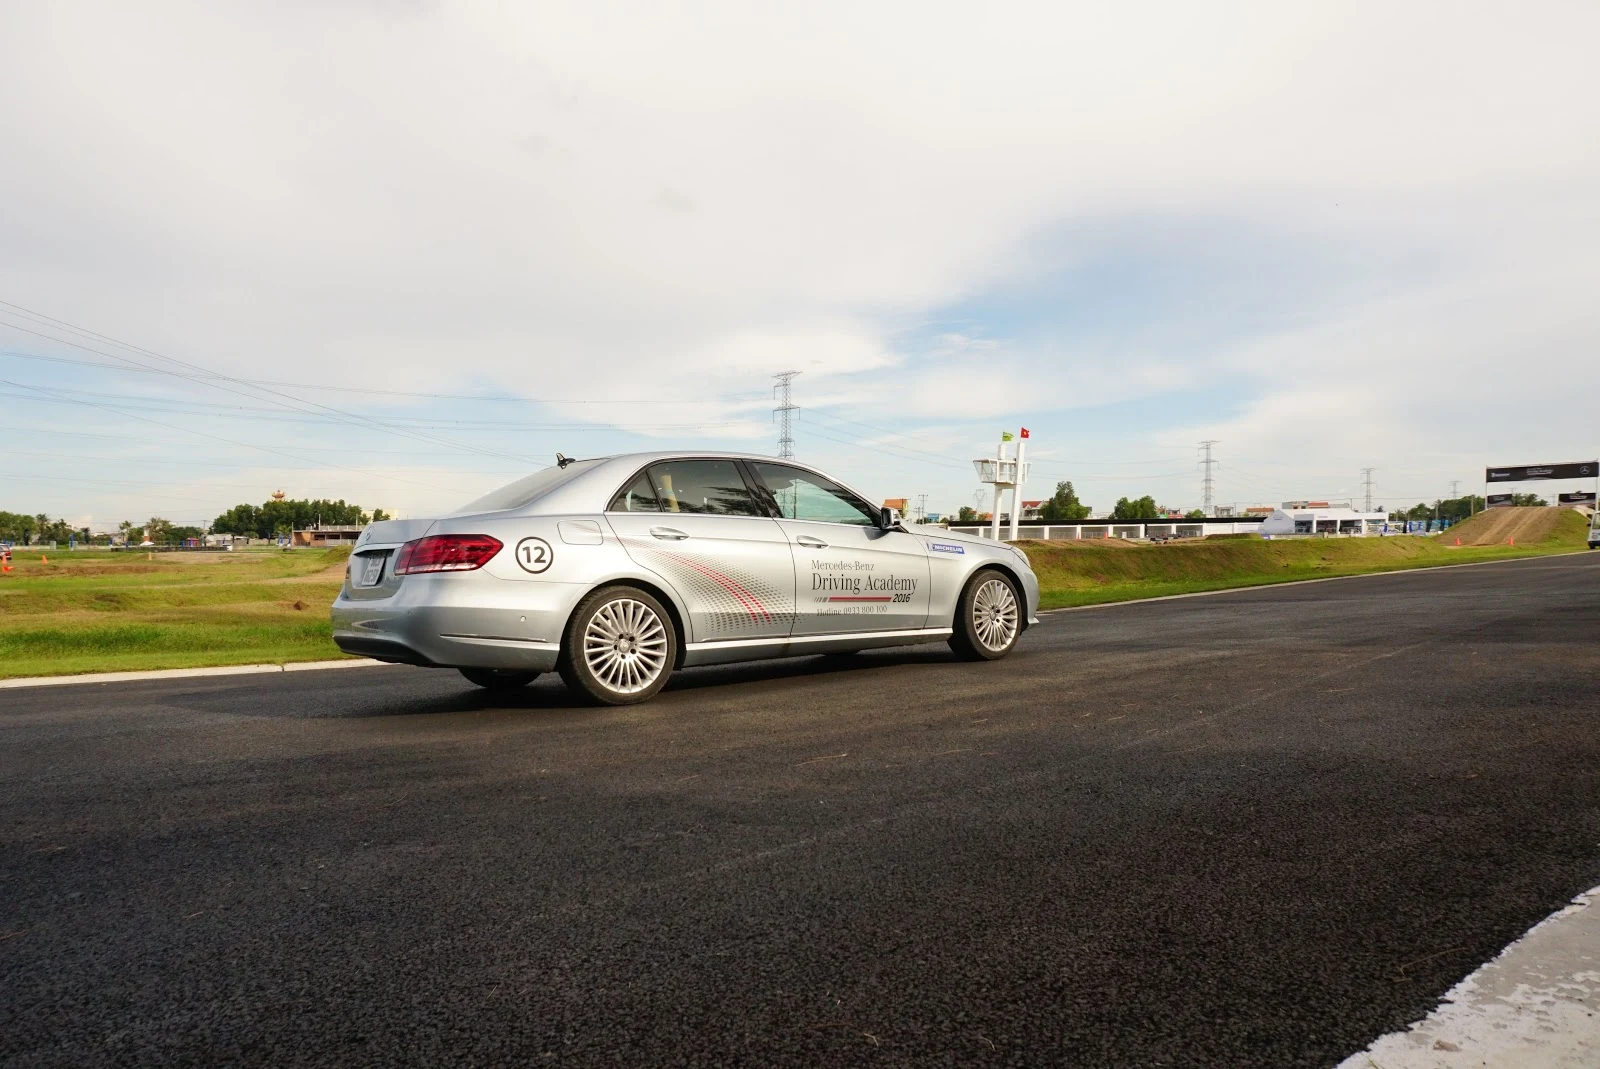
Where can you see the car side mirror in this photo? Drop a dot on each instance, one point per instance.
(889, 519)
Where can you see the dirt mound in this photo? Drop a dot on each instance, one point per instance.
(1493, 527)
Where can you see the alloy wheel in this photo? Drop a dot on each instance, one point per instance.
(625, 646)
(994, 614)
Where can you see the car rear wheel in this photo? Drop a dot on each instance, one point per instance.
(620, 646)
(498, 679)
(988, 617)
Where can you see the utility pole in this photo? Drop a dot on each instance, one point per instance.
(783, 413)
(1210, 483)
(1366, 477)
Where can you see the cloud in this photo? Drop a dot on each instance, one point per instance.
(1109, 206)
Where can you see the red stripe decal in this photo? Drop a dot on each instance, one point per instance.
(740, 594)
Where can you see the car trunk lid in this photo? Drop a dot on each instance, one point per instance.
(370, 575)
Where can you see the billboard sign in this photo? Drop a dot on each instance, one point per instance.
(1499, 501)
(1581, 497)
(1583, 469)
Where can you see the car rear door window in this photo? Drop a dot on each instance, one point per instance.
(637, 496)
(803, 495)
(703, 487)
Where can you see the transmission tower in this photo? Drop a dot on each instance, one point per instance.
(1366, 478)
(922, 508)
(1455, 488)
(1210, 483)
(784, 412)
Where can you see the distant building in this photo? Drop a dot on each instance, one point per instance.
(1320, 518)
(1030, 509)
(328, 534)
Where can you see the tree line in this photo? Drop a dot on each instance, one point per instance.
(273, 518)
(268, 520)
(20, 527)
(1063, 506)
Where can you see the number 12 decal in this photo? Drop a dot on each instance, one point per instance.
(535, 555)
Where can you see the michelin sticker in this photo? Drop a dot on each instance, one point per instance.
(945, 547)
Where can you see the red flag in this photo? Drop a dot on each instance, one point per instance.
(1024, 432)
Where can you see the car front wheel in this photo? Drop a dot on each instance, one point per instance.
(620, 646)
(988, 617)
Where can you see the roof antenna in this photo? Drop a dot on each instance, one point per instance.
(562, 460)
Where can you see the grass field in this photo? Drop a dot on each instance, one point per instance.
(1097, 571)
(97, 611)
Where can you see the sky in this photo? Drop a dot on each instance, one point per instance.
(401, 253)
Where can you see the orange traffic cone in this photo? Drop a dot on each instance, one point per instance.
(1458, 541)
(1511, 541)
(43, 559)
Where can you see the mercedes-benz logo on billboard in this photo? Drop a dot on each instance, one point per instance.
(1581, 469)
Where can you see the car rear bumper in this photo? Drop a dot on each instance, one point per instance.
(459, 621)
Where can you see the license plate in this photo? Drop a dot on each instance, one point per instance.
(369, 570)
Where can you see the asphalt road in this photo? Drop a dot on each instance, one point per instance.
(1256, 829)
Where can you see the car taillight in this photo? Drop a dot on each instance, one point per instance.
(446, 553)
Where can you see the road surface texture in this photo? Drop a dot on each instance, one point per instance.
(1257, 829)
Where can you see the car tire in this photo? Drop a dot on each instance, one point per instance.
(498, 679)
(619, 648)
(988, 617)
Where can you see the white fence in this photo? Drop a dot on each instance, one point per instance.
(1110, 529)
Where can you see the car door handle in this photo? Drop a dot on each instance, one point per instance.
(811, 542)
(670, 534)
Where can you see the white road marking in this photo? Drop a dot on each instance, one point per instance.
(1535, 1006)
(187, 673)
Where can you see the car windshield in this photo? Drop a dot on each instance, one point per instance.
(515, 495)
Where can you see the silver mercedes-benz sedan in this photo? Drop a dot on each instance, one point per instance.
(618, 570)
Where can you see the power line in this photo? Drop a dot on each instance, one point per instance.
(499, 398)
(229, 465)
(217, 437)
(124, 437)
(783, 413)
(258, 413)
(946, 465)
(204, 375)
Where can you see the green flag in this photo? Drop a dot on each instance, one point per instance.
(1006, 436)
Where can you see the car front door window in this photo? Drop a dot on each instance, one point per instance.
(802, 495)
